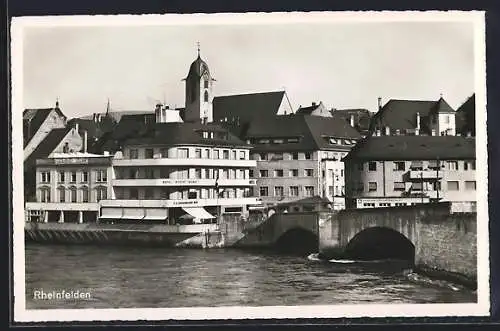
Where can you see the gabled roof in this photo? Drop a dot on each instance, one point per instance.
(312, 132)
(117, 115)
(47, 146)
(184, 134)
(401, 114)
(466, 116)
(95, 130)
(381, 148)
(308, 110)
(362, 117)
(247, 106)
(442, 107)
(33, 120)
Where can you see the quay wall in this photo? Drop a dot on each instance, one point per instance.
(124, 234)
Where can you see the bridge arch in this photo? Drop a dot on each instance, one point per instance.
(380, 243)
(297, 240)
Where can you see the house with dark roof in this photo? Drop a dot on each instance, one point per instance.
(357, 118)
(237, 111)
(414, 117)
(38, 123)
(316, 109)
(384, 171)
(299, 156)
(60, 140)
(466, 117)
(92, 130)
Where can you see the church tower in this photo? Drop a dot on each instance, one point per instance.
(199, 96)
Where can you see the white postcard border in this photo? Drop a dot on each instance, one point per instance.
(481, 308)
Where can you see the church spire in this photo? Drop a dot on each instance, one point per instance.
(107, 108)
(198, 45)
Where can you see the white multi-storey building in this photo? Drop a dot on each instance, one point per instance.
(181, 171)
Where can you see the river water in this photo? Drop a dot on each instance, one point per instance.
(118, 277)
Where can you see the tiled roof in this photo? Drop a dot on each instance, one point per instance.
(381, 148)
(184, 133)
(307, 110)
(312, 132)
(128, 127)
(466, 116)
(402, 114)
(362, 117)
(47, 146)
(245, 107)
(33, 120)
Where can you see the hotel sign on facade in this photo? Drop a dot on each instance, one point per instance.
(75, 161)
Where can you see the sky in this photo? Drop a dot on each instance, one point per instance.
(344, 65)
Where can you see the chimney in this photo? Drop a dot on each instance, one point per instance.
(418, 120)
(379, 103)
(378, 133)
(94, 118)
(77, 126)
(387, 131)
(433, 132)
(106, 153)
(85, 141)
(469, 134)
(352, 120)
(314, 103)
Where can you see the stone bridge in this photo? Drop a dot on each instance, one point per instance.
(430, 235)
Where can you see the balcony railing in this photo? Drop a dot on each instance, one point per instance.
(183, 182)
(184, 162)
(181, 203)
(425, 174)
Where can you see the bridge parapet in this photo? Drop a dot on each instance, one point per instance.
(443, 240)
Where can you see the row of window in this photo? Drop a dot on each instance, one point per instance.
(451, 185)
(166, 193)
(419, 165)
(72, 195)
(282, 156)
(186, 153)
(387, 204)
(281, 173)
(293, 191)
(100, 176)
(170, 173)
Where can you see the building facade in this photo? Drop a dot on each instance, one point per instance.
(385, 171)
(69, 187)
(299, 156)
(195, 173)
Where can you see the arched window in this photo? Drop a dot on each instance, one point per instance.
(45, 194)
(205, 97)
(62, 194)
(85, 194)
(73, 194)
(101, 193)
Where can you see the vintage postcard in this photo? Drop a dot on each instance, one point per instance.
(249, 166)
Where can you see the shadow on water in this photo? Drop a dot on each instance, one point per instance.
(297, 242)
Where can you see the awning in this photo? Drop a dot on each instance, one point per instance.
(156, 214)
(133, 213)
(433, 163)
(111, 213)
(198, 212)
(416, 164)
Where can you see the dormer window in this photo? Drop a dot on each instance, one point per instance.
(205, 134)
